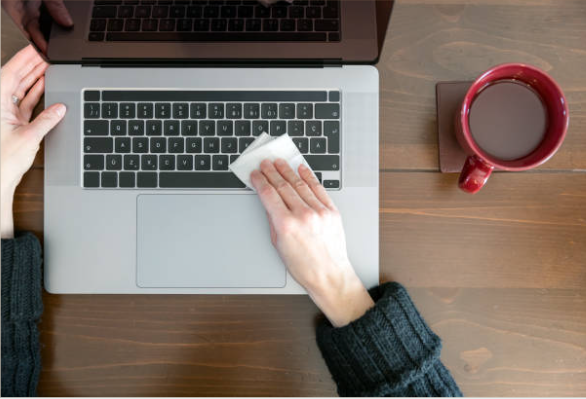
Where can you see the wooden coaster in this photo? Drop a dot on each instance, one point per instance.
(449, 96)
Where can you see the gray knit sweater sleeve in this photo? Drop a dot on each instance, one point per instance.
(21, 309)
(390, 351)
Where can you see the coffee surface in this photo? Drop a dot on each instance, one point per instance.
(508, 120)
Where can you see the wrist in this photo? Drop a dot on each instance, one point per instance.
(6, 218)
(343, 300)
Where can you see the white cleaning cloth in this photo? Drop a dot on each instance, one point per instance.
(267, 147)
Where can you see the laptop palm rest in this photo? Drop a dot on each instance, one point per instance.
(205, 241)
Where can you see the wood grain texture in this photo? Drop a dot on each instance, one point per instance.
(500, 276)
(431, 41)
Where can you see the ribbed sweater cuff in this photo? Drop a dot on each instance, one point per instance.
(385, 351)
(21, 279)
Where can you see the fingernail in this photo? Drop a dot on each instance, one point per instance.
(302, 167)
(60, 110)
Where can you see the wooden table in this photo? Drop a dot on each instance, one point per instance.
(500, 276)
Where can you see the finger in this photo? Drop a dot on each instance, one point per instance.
(18, 67)
(30, 79)
(289, 195)
(37, 37)
(46, 121)
(59, 12)
(269, 197)
(272, 228)
(315, 186)
(32, 98)
(298, 184)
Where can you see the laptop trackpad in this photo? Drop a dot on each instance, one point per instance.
(219, 241)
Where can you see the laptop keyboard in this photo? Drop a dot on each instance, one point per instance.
(214, 20)
(187, 139)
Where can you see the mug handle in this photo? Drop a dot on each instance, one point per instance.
(474, 174)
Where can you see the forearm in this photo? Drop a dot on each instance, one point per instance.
(389, 351)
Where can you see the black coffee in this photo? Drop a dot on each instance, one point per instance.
(508, 120)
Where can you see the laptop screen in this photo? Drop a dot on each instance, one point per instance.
(203, 31)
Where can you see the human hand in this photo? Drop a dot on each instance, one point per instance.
(22, 80)
(26, 15)
(307, 231)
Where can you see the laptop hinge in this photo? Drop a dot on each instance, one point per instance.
(118, 63)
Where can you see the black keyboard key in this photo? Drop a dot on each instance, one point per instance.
(327, 111)
(334, 37)
(270, 25)
(287, 25)
(162, 111)
(198, 111)
(242, 128)
(304, 111)
(216, 111)
(193, 145)
(201, 25)
(296, 128)
(279, 12)
(324, 25)
(142, 12)
(225, 128)
(97, 25)
(318, 176)
(127, 110)
(122, 145)
(313, 128)
(144, 110)
(171, 128)
(158, 145)
(167, 162)
(131, 162)
(330, 11)
(268, 111)
(188, 128)
(185, 162)
(176, 145)
(304, 25)
(262, 12)
(96, 145)
(334, 96)
(211, 145)
(229, 145)
(199, 180)
(104, 12)
(233, 158)
(211, 12)
(160, 12)
(332, 132)
(115, 25)
(253, 25)
(219, 25)
(93, 162)
(228, 12)
(91, 95)
(91, 179)
(236, 25)
(220, 162)
(216, 96)
(244, 142)
(296, 12)
(132, 25)
(146, 179)
(96, 37)
(194, 12)
(278, 128)
(148, 162)
(323, 162)
(245, 12)
(317, 146)
(259, 127)
(331, 183)
(177, 12)
(154, 128)
(95, 128)
(109, 110)
(251, 111)
(136, 128)
(302, 144)
(180, 110)
(207, 128)
(140, 145)
(202, 162)
(313, 12)
(150, 25)
(114, 162)
(184, 25)
(234, 111)
(118, 128)
(126, 180)
(91, 110)
(287, 111)
(167, 25)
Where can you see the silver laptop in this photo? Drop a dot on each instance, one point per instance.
(162, 96)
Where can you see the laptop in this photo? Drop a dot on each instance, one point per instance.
(161, 97)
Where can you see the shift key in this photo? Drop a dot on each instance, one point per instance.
(323, 162)
(96, 145)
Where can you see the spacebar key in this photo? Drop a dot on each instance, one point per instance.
(199, 180)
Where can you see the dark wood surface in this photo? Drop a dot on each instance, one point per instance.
(500, 276)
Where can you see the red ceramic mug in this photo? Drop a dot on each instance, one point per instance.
(479, 164)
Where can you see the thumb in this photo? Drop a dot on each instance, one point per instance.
(46, 121)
